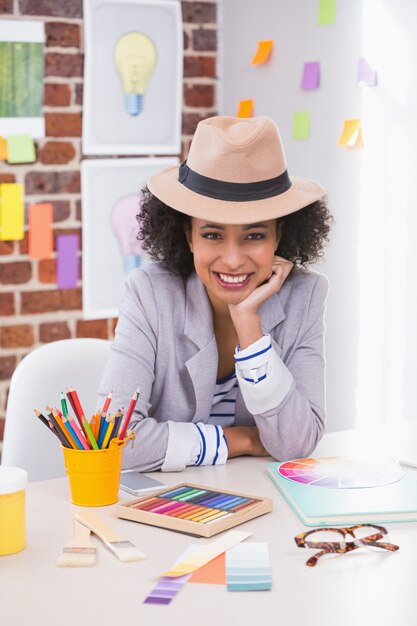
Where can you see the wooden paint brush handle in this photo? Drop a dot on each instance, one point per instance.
(99, 528)
(81, 537)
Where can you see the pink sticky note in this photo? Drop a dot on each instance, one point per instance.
(366, 74)
(311, 75)
(67, 261)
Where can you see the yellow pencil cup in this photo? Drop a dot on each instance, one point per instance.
(94, 475)
(13, 482)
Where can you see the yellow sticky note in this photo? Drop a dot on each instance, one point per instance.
(301, 125)
(21, 149)
(326, 12)
(40, 231)
(3, 149)
(245, 108)
(351, 135)
(263, 52)
(12, 213)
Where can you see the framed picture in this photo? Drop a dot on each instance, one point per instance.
(110, 203)
(133, 77)
(21, 78)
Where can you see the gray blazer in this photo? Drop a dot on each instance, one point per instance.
(165, 344)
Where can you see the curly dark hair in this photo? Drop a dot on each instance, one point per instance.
(162, 230)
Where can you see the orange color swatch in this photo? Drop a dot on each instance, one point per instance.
(351, 135)
(40, 231)
(213, 573)
(245, 108)
(263, 52)
(3, 149)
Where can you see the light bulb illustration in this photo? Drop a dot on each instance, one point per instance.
(126, 228)
(135, 58)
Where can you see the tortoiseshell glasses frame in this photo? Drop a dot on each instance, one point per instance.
(372, 541)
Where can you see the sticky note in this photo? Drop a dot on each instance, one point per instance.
(311, 75)
(21, 149)
(245, 108)
(12, 211)
(67, 261)
(40, 231)
(301, 125)
(367, 76)
(351, 135)
(326, 12)
(3, 149)
(263, 52)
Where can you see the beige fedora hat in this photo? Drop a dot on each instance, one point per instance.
(235, 173)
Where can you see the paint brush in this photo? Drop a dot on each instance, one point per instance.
(79, 552)
(122, 548)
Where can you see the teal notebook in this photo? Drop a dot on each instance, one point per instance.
(324, 506)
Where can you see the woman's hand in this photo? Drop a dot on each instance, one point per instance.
(244, 440)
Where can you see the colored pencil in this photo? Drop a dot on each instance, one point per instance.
(129, 413)
(72, 432)
(107, 403)
(76, 405)
(101, 425)
(117, 422)
(103, 431)
(108, 433)
(64, 405)
(61, 436)
(63, 428)
(47, 423)
(79, 433)
(93, 424)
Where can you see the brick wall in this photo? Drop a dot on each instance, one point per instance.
(33, 311)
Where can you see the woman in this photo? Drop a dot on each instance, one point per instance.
(224, 333)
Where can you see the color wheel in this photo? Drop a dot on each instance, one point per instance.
(342, 472)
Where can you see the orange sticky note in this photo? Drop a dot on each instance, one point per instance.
(40, 231)
(263, 52)
(3, 149)
(245, 108)
(213, 573)
(351, 135)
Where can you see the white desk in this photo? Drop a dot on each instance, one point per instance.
(359, 588)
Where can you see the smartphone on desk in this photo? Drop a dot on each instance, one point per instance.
(134, 482)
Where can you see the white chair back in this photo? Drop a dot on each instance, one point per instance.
(38, 381)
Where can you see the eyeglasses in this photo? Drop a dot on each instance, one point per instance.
(333, 540)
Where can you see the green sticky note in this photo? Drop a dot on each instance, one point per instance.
(20, 149)
(301, 126)
(327, 12)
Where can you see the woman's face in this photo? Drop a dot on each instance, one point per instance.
(232, 260)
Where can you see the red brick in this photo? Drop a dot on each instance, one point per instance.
(24, 244)
(18, 336)
(15, 273)
(53, 331)
(63, 124)
(190, 121)
(92, 328)
(47, 271)
(78, 210)
(7, 304)
(57, 152)
(199, 66)
(7, 178)
(67, 65)
(57, 95)
(62, 34)
(52, 182)
(79, 89)
(6, 247)
(6, 6)
(185, 40)
(50, 300)
(205, 40)
(198, 12)
(71, 299)
(57, 8)
(7, 367)
(61, 210)
(199, 95)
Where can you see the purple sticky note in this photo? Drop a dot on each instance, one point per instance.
(67, 261)
(311, 75)
(366, 74)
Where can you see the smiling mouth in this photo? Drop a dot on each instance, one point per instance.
(232, 281)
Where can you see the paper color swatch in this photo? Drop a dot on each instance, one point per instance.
(3, 149)
(207, 553)
(263, 52)
(12, 211)
(351, 135)
(301, 125)
(311, 75)
(166, 590)
(326, 12)
(21, 149)
(245, 108)
(367, 76)
(213, 573)
(67, 261)
(248, 567)
(40, 231)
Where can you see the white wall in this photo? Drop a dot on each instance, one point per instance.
(371, 340)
